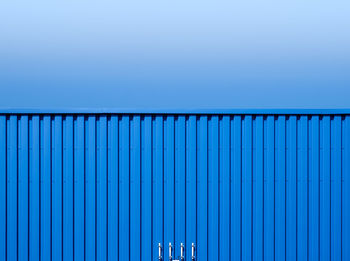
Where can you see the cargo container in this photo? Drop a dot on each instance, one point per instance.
(177, 185)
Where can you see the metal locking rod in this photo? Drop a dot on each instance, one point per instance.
(193, 249)
(170, 251)
(182, 248)
(159, 251)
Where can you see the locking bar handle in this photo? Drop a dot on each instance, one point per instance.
(193, 249)
(170, 251)
(160, 251)
(182, 248)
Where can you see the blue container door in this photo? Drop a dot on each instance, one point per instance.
(225, 187)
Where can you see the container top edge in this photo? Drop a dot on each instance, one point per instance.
(263, 111)
(257, 111)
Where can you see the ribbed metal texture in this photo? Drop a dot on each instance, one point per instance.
(111, 187)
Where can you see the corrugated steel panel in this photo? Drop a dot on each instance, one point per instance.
(113, 186)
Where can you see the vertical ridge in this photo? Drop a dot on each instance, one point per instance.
(236, 175)
(269, 189)
(124, 200)
(336, 188)
(202, 181)
(346, 189)
(135, 188)
(247, 184)
(23, 189)
(258, 189)
(191, 184)
(213, 190)
(291, 189)
(56, 185)
(280, 193)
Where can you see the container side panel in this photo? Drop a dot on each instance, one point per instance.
(56, 186)
(45, 189)
(258, 188)
(224, 188)
(314, 183)
(202, 181)
(68, 196)
(34, 188)
(12, 188)
(90, 189)
(236, 188)
(101, 189)
(191, 188)
(146, 190)
(280, 188)
(291, 189)
(213, 189)
(23, 189)
(325, 189)
(158, 202)
(302, 204)
(113, 186)
(180, 182)
(79, 188)
(247, 182)
(336, 188)
(269, 188)
(135, 189)
(346, 190)
(229, 187)
(124, 189)
(3, 187)
(169, 190)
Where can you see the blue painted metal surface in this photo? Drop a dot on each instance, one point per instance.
(113, 186)
(163, 111)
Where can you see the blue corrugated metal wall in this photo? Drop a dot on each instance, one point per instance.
(111, 187)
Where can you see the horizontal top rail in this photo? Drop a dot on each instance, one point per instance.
(256, 111)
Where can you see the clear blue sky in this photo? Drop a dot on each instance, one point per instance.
(174, 54)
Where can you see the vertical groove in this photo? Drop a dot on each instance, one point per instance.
(319, 185)
(162, 180)
(51, 130)
(275, 144)
(307, 188)
(263, 181)
(341, 189)
(207, 199)
(196, 184)
(285, 188)
(40, 176)
(97, 119)
(63, 120)
(241, 174)
(6, 173)
(174, 169)
(28, 189)
(140, 198)
(129, 179)
(151, 152)
(330, 189)
(229, 186)
(73, 186)
(185, 140)
(219, 185)
(17, 185)
(74, 120)
(106, 152)
(84, 182)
